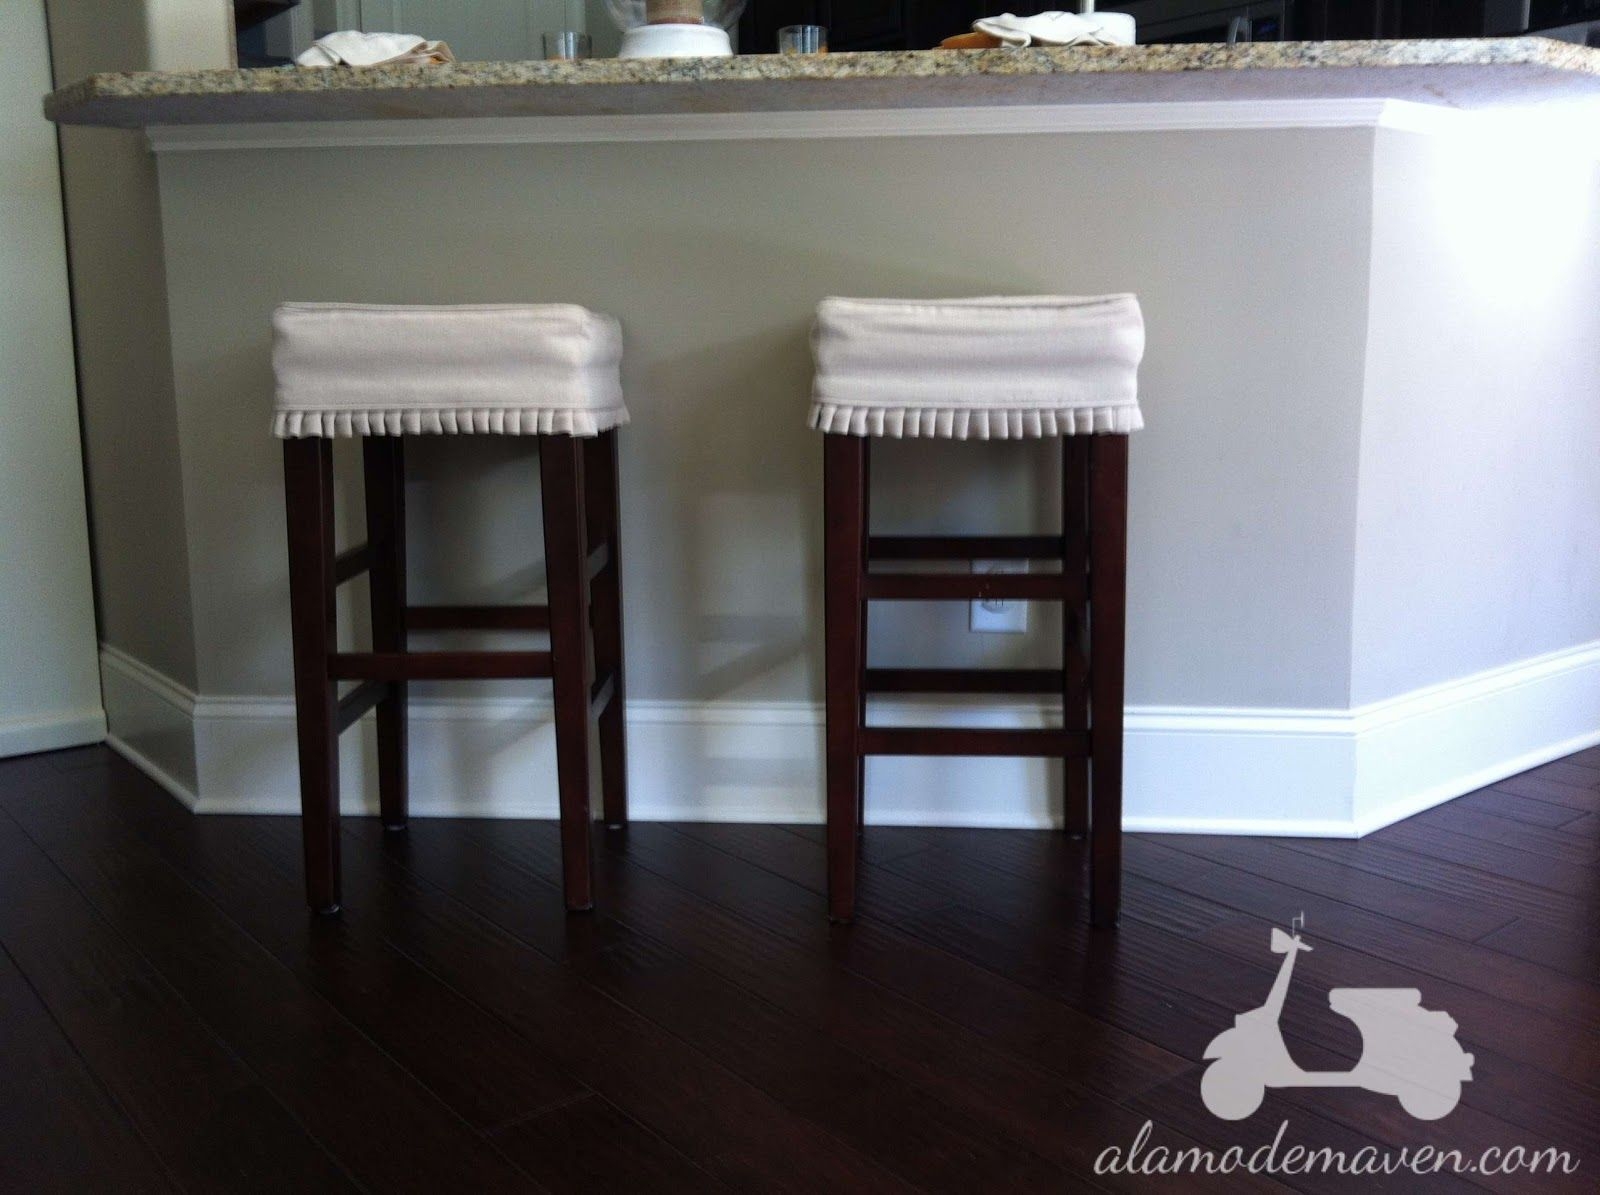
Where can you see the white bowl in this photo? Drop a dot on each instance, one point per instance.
(675, 41)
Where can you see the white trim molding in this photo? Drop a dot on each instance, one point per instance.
(70, 728)
(854, 124)
(1326, 773)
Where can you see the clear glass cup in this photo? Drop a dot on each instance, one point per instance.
(803, 39)
(567, 45)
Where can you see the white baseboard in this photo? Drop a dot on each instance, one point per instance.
(178, 788)
(152, 721)
(74, 728)
(1324, 773)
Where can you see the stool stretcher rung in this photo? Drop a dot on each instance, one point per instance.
(599, 561)
(359, 700)
(946, 740)
(964, 680)
(352, 562)
(966, 547)
(440, 665)
(601, 694)
(941, 587)
(477, 618)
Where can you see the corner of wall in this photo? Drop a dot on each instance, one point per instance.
(123, 342)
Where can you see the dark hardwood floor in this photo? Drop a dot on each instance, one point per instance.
(172, 1017)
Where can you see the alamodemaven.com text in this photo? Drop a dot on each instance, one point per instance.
(1277, 1158)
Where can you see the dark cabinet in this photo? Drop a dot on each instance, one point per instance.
(863, 24)
(922, 24)
(1329, 20)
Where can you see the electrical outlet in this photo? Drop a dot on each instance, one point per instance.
(1000, 614)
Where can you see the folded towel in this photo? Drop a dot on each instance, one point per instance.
(350, 369)
(351, 47)
(1060, 29)
(978, 369)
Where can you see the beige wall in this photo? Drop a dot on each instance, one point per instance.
(120, 314)
(713, 255)
(119, 309)
(49, 685)
(1478, 479)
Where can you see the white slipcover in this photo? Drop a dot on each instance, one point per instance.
(983, 369)
(352, 369)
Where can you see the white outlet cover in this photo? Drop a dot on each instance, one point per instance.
(1009, 617)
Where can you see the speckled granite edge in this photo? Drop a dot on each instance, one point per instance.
(101, 89)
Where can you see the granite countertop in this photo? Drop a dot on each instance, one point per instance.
(1466, 73)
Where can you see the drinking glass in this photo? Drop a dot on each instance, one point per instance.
(568, 45)
(803, 39)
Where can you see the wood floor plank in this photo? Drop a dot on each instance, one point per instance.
(1534, 990)
(802, 861)
(1571, 948)
(1028, 1019)
(1530, 810)
(1398, 895)
(1514, 989)
(1553, 792)
(1576, 843)
(385, 1128)
(198, 1106)
(588, 1146)
(1589, 758)
(1378, 862)
(1317, 1040)
(911, 1132)
(1575, 879)
(250, 868)
(1572, 770)
(885, 843)
(1057, 1118)
(1568, 1059)
(721, 1122)
(172, 1015)
(1111, 1060)
(60, 1130)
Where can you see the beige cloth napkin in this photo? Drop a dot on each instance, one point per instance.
(351, 47)
(1052, 29)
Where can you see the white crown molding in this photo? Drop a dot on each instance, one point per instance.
(854, 124)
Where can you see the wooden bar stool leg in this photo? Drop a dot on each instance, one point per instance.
(604, 515)
(866, 619)
(566, 567)
(1075, 679)
(1108, 560)
(308, 487)
(844, 486)
(383, 462)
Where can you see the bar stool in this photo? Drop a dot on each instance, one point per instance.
(994, 368)
(384, 373)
